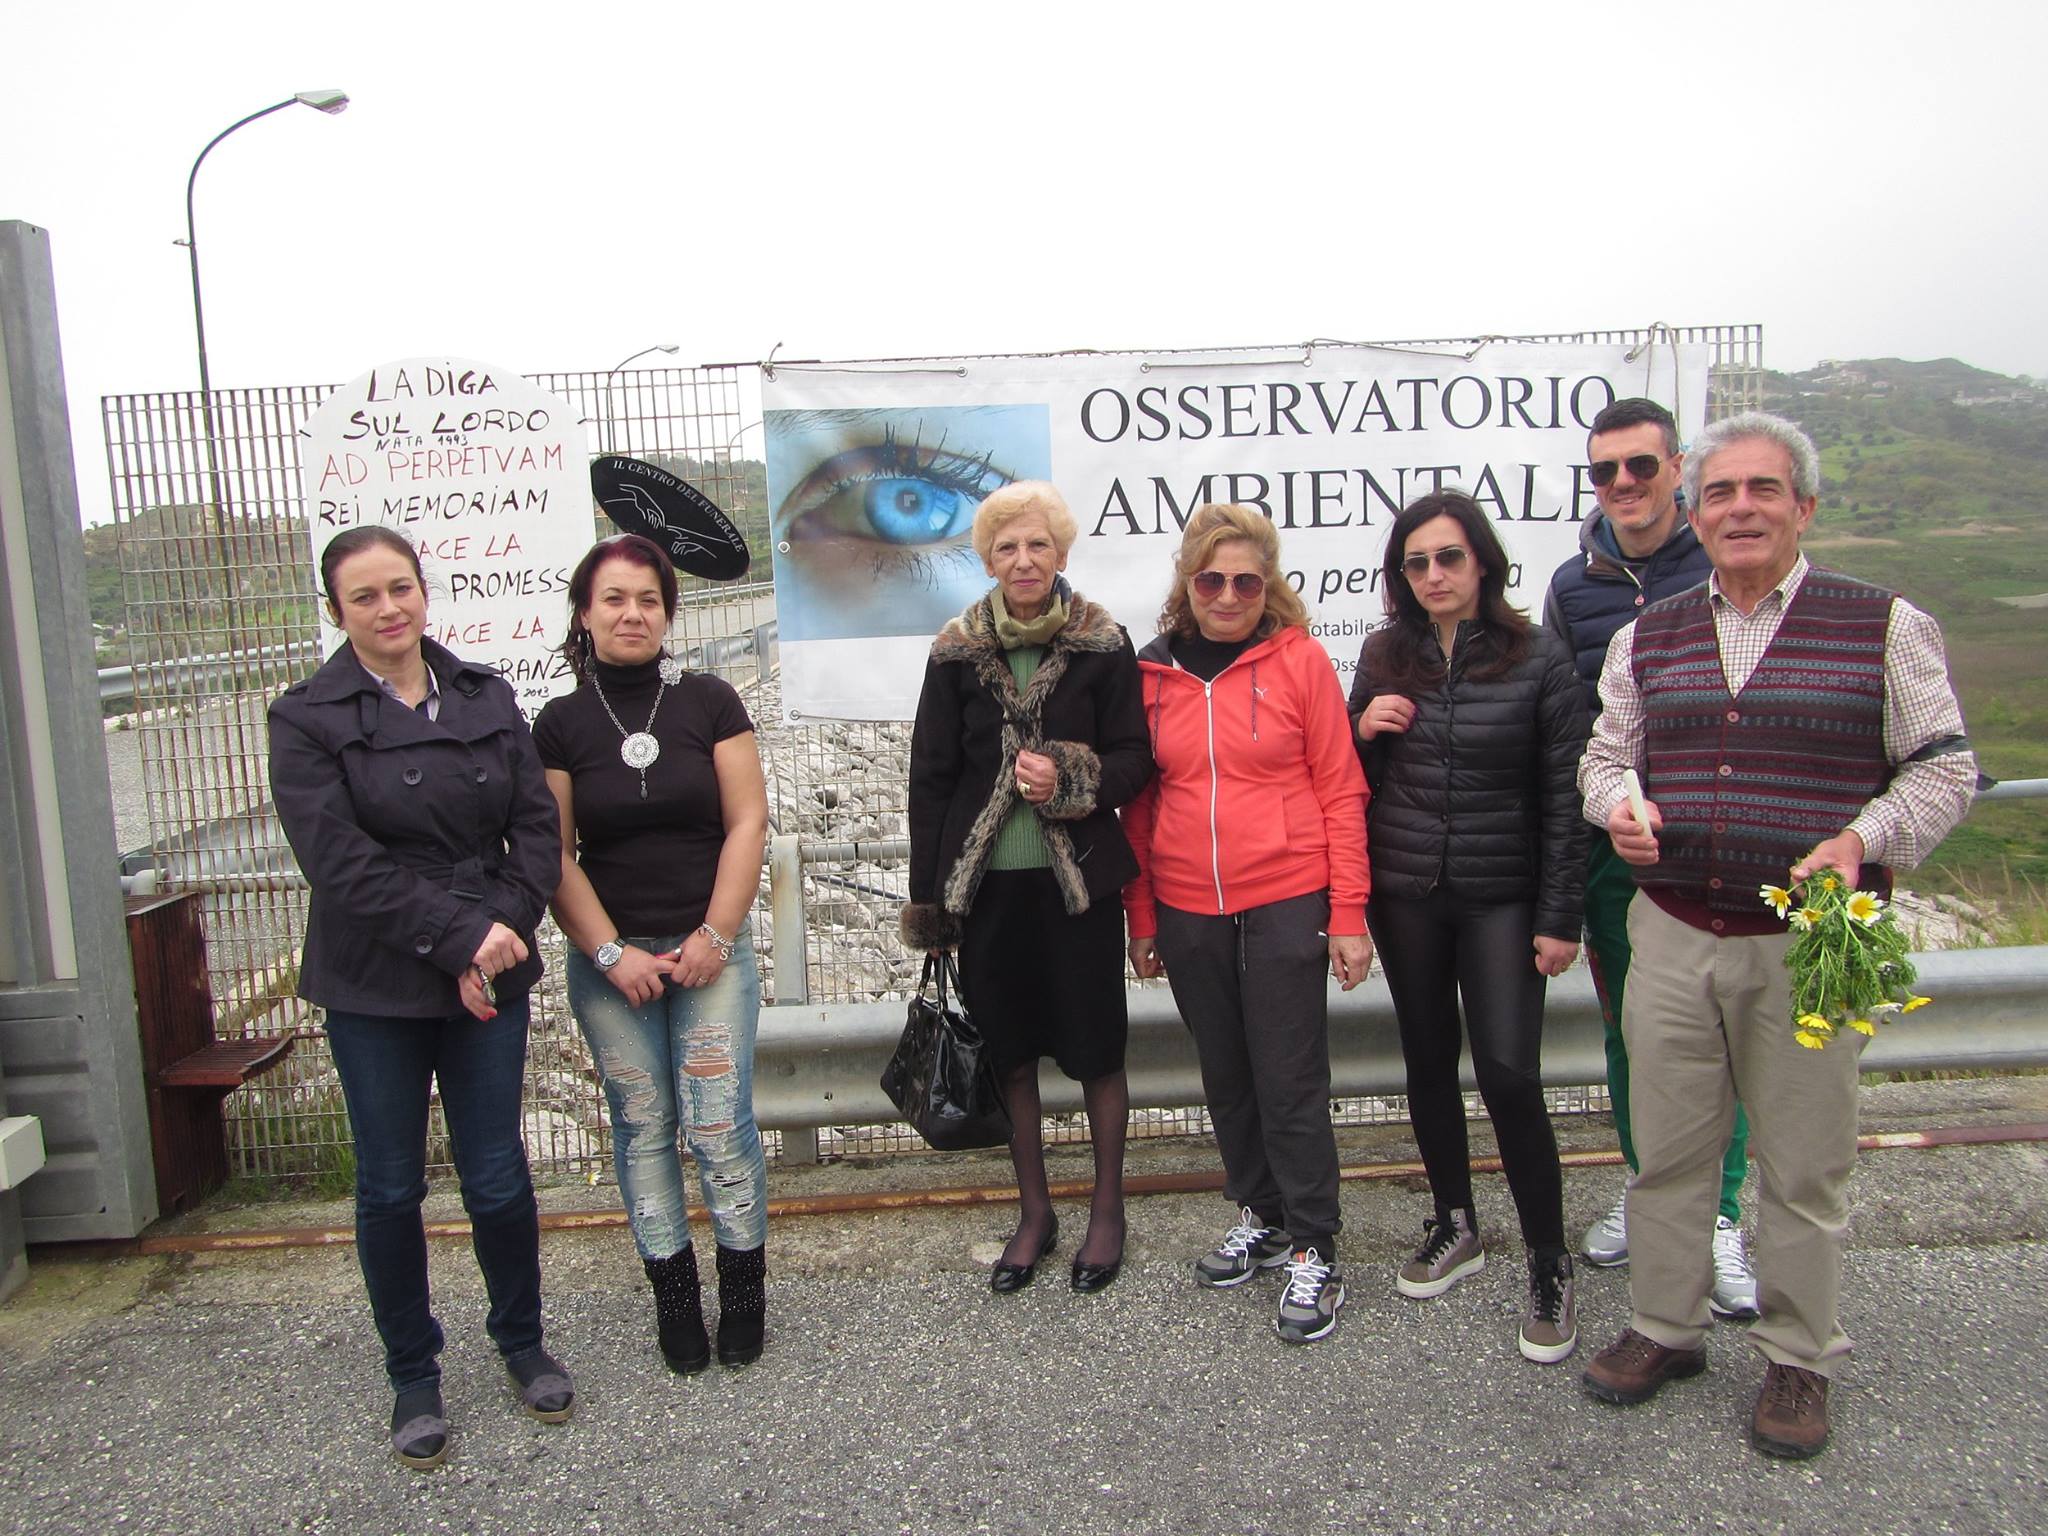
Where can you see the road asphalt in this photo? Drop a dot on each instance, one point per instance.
(241, 1392)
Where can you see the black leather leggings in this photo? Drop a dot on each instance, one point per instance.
(1434, 951)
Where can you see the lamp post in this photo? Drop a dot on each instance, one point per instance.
(670, 347)
(329, 102)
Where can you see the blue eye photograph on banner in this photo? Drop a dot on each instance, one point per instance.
(874, 510)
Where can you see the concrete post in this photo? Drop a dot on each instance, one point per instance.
(68, 1040)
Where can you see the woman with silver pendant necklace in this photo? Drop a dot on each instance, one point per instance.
(663, 814)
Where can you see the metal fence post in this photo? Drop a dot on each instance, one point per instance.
(792, 965)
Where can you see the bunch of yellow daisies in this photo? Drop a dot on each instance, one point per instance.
(1849, 962)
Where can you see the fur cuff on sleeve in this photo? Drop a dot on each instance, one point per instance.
(927, 926)
(1080, 778)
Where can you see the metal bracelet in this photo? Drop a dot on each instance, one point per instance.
(718, 940)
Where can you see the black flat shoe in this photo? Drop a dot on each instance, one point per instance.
(1090, 1278)
(545, 1390)
(1005, 1278)
(419, 1428)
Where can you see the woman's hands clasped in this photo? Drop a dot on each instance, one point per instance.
(475, 993)
(697, 961)
(500, 951)
(642, 977)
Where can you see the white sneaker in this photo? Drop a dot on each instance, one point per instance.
(1734, 1293)
(1606, 1241)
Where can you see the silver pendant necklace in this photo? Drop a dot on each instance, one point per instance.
(638, 749)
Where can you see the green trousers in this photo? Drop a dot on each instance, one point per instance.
(1609, 890)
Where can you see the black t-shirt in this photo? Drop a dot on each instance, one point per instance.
(1207, 658)
(652, 862)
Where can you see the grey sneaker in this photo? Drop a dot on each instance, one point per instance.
(1308, 1307)
(1247, 1248)
(1606, 1241)
(1734, 1292)
(1450, 1251)
(1550, 1321)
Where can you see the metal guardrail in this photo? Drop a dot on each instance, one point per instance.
(119, 682)
(2014, 789)
(821, 1066)
(717, 652)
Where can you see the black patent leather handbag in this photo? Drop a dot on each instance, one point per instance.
(941, 1077)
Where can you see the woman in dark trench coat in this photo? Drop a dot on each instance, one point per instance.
(408, 786)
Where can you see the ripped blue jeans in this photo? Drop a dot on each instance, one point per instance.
(683, 1063)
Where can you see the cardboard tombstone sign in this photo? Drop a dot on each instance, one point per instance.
(646, 499)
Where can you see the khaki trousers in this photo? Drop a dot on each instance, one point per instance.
(1708, 1022)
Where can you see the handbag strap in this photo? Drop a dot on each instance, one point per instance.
(946, 970)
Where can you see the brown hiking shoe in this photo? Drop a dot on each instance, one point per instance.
(1634, 1366)
(1791, 1416)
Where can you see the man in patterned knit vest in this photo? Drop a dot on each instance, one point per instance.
(1785, 720)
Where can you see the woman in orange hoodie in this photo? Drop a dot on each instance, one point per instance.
(1252, 883)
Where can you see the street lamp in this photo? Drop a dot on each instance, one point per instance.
(670, 347)
(329, 102)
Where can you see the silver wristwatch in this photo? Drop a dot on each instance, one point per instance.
(608, 954)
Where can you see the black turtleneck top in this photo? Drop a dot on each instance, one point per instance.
(652, 862)
(1204, 657)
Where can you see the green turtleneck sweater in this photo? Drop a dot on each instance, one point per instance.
(1020, 844)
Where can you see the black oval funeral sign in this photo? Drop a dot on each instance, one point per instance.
(645, 498)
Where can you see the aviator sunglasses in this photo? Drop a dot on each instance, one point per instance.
(1641, 466)
(1210, 584)
(1450, 558)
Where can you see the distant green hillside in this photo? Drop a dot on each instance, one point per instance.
(184, 553)
(1935, 481)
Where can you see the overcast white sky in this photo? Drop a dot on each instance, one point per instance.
(554, 187)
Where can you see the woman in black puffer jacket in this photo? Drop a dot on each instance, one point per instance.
(1470, 722)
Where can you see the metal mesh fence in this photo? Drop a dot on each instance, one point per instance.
(216, 554)
(221, 616)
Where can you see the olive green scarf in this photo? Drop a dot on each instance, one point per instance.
(1011, 633)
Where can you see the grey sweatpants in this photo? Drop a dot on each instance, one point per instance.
(1251, 990)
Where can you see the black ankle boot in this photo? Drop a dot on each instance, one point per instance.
(742, 1303)
(679, 1311)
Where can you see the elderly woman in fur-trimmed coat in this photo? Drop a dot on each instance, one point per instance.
(1030, 733)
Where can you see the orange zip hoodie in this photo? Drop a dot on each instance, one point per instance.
(1258, 797)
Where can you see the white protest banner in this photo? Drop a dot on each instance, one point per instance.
(488, 477)
(875, 469)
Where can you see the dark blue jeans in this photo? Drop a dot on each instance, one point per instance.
(387, 1066)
